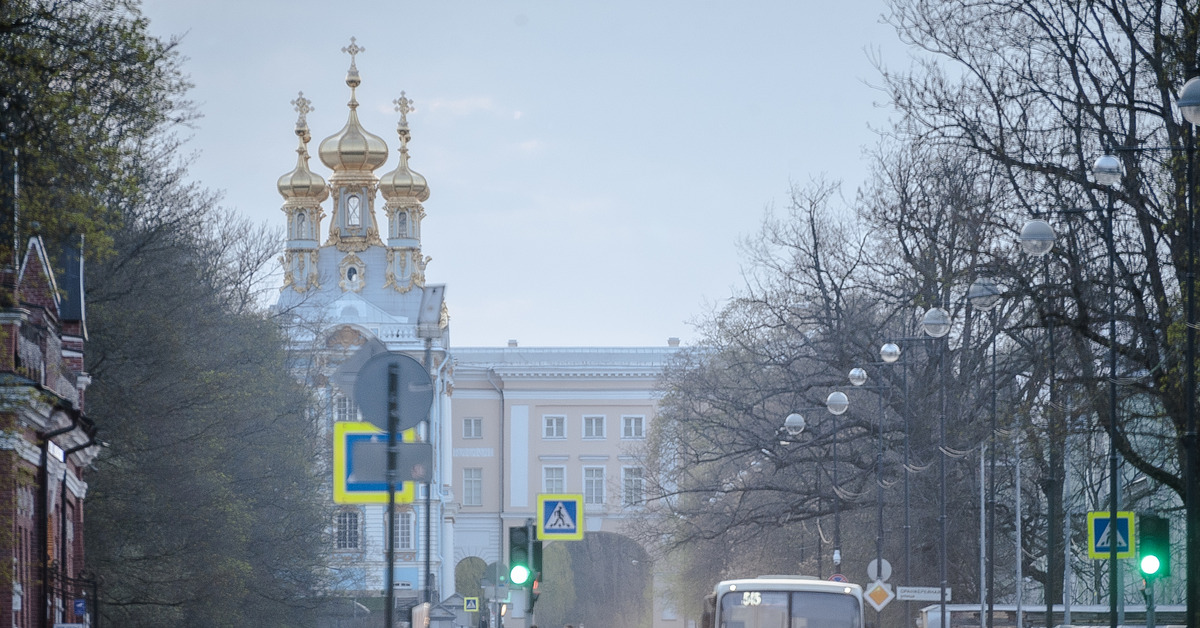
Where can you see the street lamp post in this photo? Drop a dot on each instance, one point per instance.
(1108, 172)
(858, 377)
(890, 354)
(837, 403)
(1037, 238)
(936, 323)
(984, 295)
(1189, 106)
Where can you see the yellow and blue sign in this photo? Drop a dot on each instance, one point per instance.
(559, 517)
(1100, 534)
(363, 485)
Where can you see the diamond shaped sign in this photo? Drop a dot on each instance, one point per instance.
(878, 594)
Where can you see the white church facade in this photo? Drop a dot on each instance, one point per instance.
(507, 423)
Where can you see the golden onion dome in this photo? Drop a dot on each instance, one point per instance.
(403, 182)
(302, 183)
(353, 148)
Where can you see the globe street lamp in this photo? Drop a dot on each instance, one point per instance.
(890, 354)
(1108, 172)
(984, 294)
(1037, 238)
(1189, 106)
(837, 403)
(936, 323)
(858, 377)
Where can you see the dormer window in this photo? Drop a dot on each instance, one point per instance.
(353, 211)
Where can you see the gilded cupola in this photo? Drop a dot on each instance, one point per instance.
(301, 185)
(353, 148)
(403, 182)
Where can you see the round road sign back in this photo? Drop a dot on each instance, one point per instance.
(415, 390)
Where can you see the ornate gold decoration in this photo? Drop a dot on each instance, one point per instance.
(345, 337)
(353, 244)
(398, 281)
(351, 273)
(418, 273)
(444, 317)
(303, 274)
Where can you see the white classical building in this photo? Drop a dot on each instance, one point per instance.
(506, 424)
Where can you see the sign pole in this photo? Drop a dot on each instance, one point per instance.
(393, 419)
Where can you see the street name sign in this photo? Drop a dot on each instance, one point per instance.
(558, 517)
(1098, 534)
(921, 594)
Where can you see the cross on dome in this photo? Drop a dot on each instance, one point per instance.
(404, 106)
(303, 106)
(353, 49)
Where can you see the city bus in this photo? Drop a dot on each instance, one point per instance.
(783, 602)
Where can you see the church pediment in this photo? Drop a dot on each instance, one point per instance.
(352, 308)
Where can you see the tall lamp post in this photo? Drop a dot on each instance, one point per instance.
(1108, 172)
(984, 295)
(1037, 238)
(890, 354)
(936, 323)
(837, 403)
(1189, 107)
(858, 377)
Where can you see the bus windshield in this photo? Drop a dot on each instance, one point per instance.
(789, 609)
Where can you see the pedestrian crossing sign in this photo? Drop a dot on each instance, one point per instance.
(558, 517)
(1099, 534)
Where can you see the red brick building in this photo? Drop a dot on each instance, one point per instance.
(46, 441)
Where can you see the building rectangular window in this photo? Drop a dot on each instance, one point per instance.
(593, 485)
(472, 487)
(472, 427)
(404, 533)
(554, 479)
(554, 426)
(633, 427)
(344, 408)
(347, 532)
(593, 426)
(633, 486)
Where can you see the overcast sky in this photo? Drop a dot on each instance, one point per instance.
(592, 164)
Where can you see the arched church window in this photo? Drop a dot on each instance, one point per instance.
(402, 224)
(301, 225)
(353, 211)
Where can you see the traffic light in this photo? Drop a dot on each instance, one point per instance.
(535, 558)
(520, 570)
(534, 591)
(1154, 546)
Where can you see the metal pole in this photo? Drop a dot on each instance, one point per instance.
(1113, 565)
(390, 533)
(991, 500)
(879, 497)
(1017, 525)
(907, 488)
(1055, 531)
(428, 596)
(1190, 443)
(942, 486)
(837, 506)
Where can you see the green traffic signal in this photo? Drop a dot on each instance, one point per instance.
(1154, 546)
(519, 568)
(518, 575)
(1150, 565)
